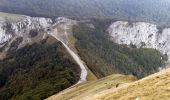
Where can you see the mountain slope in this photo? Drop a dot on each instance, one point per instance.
(33, 44)
(105, 57)
(34, 70)
(33, 65)
(120, 87)
(141, 35)
(11, 17)
(88, 39)
(89, 89)
(153, 87)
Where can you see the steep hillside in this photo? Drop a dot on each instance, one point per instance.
(16, 34)
(153, 87)
(89, 89)
(33, 65)
(105, 57)
(120, 87)
(29, 30)
(37, 71)
(141, 35)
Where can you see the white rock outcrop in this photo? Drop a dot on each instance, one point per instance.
(141, 34)
(10, 31)
(14, 35)
(4, 37)
(29, 23)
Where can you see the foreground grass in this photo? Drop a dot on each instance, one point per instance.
(154, 87)
(90, 88)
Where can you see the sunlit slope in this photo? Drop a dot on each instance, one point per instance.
(154, 87)
(91, 88)
(11, 17)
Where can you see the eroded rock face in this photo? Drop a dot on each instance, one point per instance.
(4, 37)
(22, 28)
(30, 30)
(141, 34)
(10, 32)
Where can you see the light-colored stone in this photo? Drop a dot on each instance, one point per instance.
(141, 34)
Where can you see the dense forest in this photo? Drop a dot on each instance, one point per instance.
(37, 71)
(144, 10)
(105, 57)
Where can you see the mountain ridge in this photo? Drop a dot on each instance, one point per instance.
(148, 10)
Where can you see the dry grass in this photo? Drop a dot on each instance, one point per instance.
(90, 75)
(11, 17)
(154, 87)
(90, 88)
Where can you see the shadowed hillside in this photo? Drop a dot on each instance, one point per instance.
(105, 57)
(37, 71)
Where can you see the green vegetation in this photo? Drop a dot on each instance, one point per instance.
(36, 72)
(104, 57)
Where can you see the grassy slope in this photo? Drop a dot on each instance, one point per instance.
(153, 87)
(90, 88)
(11, 17)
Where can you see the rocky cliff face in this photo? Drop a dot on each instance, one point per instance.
(22, 28)
(141, 34)
(14, 35)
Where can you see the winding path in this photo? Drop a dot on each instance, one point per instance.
(83, 75)
(79, 62)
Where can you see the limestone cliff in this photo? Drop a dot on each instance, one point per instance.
(141, 34)
(16, 34)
